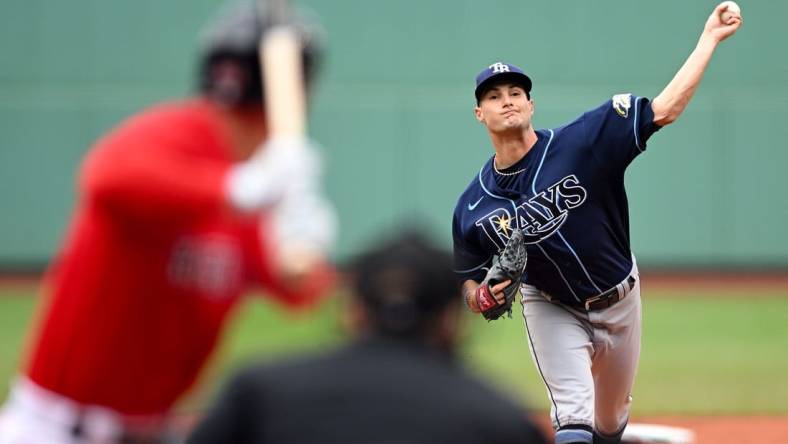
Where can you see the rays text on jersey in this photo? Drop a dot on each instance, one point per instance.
(539, 216)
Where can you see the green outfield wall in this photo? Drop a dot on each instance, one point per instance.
(393, 109)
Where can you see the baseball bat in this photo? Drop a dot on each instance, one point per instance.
(282, 72)
(285, 101)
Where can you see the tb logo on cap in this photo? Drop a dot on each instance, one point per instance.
(499, 67)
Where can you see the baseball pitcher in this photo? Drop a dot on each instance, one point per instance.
(548, 215)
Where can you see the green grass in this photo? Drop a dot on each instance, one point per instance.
(702, 353)
(712, 354)
(16, 309)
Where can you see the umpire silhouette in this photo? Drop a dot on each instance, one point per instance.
(396, 381)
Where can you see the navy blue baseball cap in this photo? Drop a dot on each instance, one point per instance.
(501, 71)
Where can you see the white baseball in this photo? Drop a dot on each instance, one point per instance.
(733, 9)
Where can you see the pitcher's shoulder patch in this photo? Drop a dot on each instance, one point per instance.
(622, 103)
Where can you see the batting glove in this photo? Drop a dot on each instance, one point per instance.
(280, 164)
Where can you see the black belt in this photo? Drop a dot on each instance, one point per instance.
(610, 297)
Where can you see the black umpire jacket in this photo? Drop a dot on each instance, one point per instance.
(373, 391)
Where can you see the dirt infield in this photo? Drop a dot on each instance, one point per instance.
(707, 429)
(722, 283)
(711, 281)
(731, 429)
(718, 429)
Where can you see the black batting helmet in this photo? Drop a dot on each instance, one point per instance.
(229, 67)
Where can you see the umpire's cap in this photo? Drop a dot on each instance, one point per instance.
(229, 66)
(404, 283)
(499, 71)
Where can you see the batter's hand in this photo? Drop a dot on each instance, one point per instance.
(304, 226)
(716, 29)
(282, 165)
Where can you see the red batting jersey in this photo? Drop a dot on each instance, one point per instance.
(152, 264)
